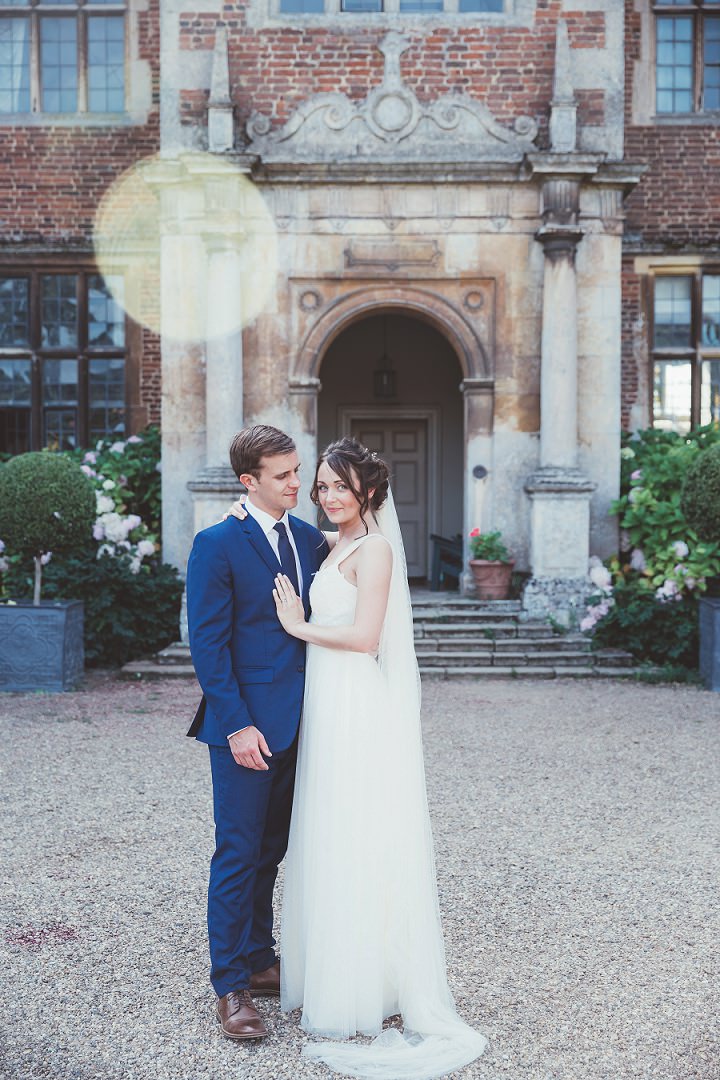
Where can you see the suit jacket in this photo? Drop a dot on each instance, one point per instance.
(251, 670)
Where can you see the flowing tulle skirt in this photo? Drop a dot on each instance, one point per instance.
(361, 937)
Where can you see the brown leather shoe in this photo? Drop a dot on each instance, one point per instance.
(239, 1019)
(266, 983)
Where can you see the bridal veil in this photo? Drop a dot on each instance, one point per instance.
(435, 1041)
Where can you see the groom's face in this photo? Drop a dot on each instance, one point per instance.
(275, 490)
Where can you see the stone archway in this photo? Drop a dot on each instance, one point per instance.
(460, 311)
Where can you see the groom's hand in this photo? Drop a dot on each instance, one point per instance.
(248, 747)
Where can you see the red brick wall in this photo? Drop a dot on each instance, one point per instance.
(52, 178)
(510, 69)
(676, 206)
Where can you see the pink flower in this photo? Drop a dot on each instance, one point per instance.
(475, 532)
(90, 458)
(88, 471)
(636, 474)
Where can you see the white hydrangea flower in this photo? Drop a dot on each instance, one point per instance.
(108, 485)
(145, 547)
(103, 504)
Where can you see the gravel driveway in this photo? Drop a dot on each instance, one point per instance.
(576, 826)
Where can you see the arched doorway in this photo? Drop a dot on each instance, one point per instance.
(393, 381)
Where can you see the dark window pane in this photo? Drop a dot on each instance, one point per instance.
(58, 64)
(106, 393)
(14, 430)
(710, 393)
(672, 312)
(480, 5)
(58, 311)
(711, 311)
(711, 63)
(14, 65)
(15, 382)
(14, 312)
(106, 64)
(60, 429)
(671, 395)
(301, 7)
(60, 382)
(106, 318)
(674, 64)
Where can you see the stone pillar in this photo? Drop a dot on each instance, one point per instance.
(478, 402)
(559, 493)
(216, 486)
(303, 402)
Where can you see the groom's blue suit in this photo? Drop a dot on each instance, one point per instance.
(251, 672)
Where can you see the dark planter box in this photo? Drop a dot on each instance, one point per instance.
(41, 648)
(709, 608)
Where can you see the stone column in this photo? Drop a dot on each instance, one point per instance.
(216, 486)
(478, 402)
(559, 493)
(303, 403)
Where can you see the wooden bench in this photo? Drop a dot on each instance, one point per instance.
(447, 555)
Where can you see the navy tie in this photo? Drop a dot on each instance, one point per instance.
(287, 556)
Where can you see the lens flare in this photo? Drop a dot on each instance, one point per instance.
(187, 245)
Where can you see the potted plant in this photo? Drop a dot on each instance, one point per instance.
(491, 565)
(47, 505)
(700, 503)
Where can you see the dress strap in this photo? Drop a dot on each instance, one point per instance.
(355, 545)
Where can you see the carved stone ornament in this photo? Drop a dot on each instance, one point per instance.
(390, 125)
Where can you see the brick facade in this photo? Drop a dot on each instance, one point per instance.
(52, 177)
(675, 210)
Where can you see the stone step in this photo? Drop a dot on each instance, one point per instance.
(484, 629)
(437, 643)
(529, 672)
(514, 659)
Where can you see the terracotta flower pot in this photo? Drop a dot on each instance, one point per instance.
(492, 579)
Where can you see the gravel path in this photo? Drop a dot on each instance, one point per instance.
(576, 827)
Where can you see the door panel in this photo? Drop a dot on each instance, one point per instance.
(403, 444)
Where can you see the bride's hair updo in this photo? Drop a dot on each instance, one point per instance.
(361, 469)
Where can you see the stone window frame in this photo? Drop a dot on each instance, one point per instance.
(138, 82)
(696, 353)
(267, 14)
(644, 88)
(32, 271)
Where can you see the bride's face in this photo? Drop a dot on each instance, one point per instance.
(336, 498)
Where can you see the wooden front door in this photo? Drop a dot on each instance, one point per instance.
(403, 444)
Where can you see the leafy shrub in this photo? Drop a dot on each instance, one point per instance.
(700, 499)
(132, 599)
(647, 598)
(127, 614)
(488, 546)
(653, 631)
(47, 506)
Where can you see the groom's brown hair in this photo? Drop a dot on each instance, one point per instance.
(252, 444)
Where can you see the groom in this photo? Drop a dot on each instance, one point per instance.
(252, 674)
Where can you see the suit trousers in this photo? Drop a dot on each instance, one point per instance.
(252, 821)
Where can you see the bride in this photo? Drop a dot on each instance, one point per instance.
(361, 930)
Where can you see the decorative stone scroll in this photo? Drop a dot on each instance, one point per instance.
(390, 125)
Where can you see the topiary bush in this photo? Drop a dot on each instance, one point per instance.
(700, 501)
(47, 505)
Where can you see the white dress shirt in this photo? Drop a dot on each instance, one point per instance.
(267, 523)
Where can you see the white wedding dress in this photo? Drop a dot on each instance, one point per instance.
(361, 934)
